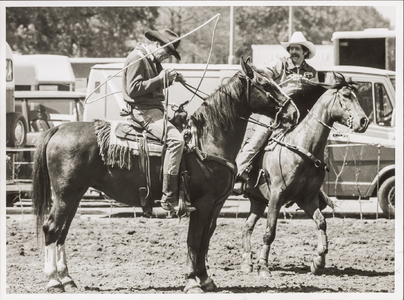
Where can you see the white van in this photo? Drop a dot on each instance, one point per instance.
(44, 72)
(106, 101)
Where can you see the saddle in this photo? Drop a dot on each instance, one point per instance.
(120, 141)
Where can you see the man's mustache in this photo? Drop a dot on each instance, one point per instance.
(295, 55)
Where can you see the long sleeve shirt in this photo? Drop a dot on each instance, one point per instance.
(142, 87)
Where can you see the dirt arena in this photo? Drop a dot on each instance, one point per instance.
(138, 255)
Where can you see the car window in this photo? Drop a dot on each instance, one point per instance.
(55, 111)
(384, 109)
(365, 98)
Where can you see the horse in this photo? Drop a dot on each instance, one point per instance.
(292, 170)
(69, 160)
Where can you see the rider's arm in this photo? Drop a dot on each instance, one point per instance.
(274, 69)
(138, 81)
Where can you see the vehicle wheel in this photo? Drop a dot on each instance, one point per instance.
(16, 130)
(386, 197)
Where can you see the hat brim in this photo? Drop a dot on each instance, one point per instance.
(156, 36)
(307, 44)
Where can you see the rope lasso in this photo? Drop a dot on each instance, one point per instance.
(172, 42)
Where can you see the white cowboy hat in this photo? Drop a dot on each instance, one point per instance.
(298, 38)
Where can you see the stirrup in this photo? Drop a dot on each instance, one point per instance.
(185, 207)
(238, 188)
(166, 205)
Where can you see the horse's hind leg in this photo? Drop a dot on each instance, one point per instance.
(256, 211)
(314, 212)
(57, 223)
(62, 269)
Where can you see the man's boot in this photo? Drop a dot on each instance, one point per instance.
(170, 193)
(239, 185)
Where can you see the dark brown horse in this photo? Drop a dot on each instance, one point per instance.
(68, 162)
(293, 170)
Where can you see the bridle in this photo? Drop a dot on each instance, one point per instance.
(346, 109)
(279, 107)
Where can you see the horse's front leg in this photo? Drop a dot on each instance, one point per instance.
(314, 212)
(269, 236)
(196, 256)
(256, 211)
(322, 247)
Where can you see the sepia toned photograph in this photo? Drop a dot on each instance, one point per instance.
(201, 150)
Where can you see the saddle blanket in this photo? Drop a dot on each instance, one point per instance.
(120, 128)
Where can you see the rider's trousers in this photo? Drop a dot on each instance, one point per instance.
(258, 139)
(153, 121)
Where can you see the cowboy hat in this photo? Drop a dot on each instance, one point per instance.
(165, 36)
(298, 38)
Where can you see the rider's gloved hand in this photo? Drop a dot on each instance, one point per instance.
(180, 78)
(169, 74)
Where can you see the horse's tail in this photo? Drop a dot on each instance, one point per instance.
(41, 189)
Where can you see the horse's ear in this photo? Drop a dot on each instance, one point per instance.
(246, 67)
(336, 78)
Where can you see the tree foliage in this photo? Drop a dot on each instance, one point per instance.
(77, 31)
(111, 31)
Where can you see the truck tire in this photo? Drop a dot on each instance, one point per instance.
(386, 196)
(16, 127)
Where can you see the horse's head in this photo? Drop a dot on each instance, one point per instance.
(345, 108)
(265, 97)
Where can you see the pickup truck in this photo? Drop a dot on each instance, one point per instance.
(361, 165)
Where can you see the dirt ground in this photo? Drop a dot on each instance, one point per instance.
(138, 255)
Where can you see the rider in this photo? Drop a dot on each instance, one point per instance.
(143, 84)
(287, 72)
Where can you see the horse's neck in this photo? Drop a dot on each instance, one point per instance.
(311, 133)
(224, 143)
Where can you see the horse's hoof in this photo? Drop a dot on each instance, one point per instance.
(314, 270)
(246, 268)
(193, 288)
(208, 285)
(70, 286)
(264, 272)
(317, 265)
(56, 289)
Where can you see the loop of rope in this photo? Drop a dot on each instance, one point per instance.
(123, 69)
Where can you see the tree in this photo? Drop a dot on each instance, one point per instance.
(111, 31)
(77, 31)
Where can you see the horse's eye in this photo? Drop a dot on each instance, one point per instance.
(346, 94)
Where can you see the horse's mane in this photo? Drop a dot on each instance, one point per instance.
(219, 110)
(306, 97)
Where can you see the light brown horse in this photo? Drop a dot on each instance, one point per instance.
(68, 160)
(293, 169)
